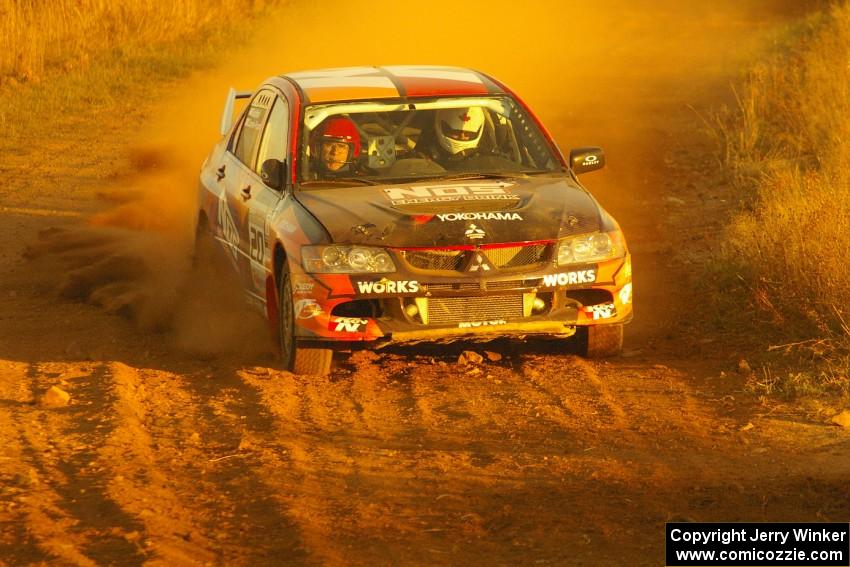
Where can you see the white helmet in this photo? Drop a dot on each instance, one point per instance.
(459, 129)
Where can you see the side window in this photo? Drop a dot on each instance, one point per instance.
(276, 134)
(252, 125)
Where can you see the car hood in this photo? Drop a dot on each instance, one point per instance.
(452, 213)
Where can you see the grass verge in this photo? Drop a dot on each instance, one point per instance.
(787, 249)
(65, 61)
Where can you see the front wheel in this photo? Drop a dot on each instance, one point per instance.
(299, 360)
(600, 341)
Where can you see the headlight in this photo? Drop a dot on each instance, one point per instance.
(346, 260)
(594, 247)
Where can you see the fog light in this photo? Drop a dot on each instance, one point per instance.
(538, 305)
(411, 310)
(626, 294)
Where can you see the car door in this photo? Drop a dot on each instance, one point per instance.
(243, 186)
(263, 199)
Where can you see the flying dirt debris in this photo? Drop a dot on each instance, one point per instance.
(184, 441)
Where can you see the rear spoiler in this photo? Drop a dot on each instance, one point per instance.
(227, 115)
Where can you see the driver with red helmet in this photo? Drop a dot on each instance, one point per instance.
(335, 147)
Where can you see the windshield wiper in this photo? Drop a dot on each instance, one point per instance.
(478, 175)
(340, 180)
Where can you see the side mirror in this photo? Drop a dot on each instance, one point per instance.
(272, 172)
(586, 159)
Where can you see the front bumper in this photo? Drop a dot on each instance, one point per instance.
(410, 306)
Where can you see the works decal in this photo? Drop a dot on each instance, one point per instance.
(385, 286)
(479, 216)
(440, 193)
(570, 278)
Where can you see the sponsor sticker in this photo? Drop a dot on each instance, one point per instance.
(388, 286)
(441, 193)
(347, 324)
(601, 311)
(228, 226)
(476, 324)
(570, 278)
(479, 216)
(475, 233)
(307, 308)
(303, 287)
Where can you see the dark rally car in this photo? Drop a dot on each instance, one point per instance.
(408, 204)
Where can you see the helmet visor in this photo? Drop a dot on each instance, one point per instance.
(459, 135)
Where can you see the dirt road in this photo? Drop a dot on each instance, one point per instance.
(183, 443)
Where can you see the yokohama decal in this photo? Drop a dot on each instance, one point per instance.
(479, 216)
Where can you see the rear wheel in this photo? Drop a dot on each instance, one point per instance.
(600, 341)
(300, 360)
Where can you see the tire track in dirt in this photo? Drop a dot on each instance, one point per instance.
(155, 434)
(70, 514)
(309, 483)
(347, 445)
(18, 479)
(257, 524)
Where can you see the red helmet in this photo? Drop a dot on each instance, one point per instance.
(339, 129)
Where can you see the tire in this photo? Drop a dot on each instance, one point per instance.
(600, 341)
(297, 359)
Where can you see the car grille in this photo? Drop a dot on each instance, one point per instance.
(513, 284)
(507, 258)
(517, 256)
(466, 286)
(435, 259)
(453, 310)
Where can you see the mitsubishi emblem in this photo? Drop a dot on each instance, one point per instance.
(479, 263)
(474, 233)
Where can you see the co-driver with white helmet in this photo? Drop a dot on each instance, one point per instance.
(457, 135)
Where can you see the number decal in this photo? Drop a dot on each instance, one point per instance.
(258, 243)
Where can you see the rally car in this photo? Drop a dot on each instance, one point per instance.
(405, 204)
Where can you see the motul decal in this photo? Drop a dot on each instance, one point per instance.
(570, 278)
(475, 324)
(479, 216)
(347, 324)
(439, 193)
(381, 287)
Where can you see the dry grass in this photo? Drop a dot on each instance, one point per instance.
(64, 60)
(38, 36)
(787, 148)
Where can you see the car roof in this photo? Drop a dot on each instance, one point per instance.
(395, 81)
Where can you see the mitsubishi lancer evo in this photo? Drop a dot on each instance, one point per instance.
(405, 204)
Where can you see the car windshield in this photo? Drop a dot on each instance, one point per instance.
(376, 142)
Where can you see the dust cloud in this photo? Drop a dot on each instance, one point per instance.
(587, 70)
